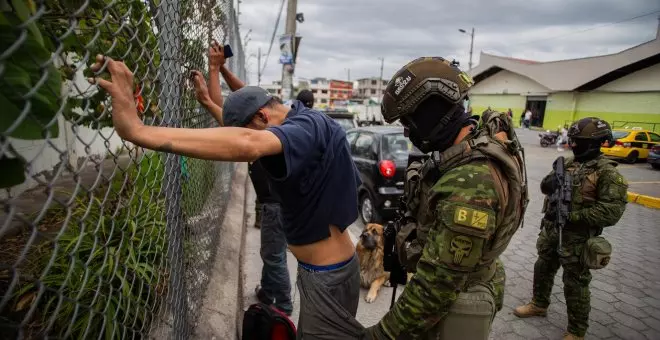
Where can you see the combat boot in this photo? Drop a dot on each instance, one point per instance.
(569, 336)
(528, 310)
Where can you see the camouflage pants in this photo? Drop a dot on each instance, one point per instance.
(576, 277)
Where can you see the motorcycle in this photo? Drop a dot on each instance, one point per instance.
(548, 138)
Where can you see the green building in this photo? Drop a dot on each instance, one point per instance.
(622, 88)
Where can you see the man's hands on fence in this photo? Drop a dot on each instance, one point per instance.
(120, 87)
(216, 56)
(201, 90)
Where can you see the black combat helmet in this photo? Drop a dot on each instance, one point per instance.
(587, 135)
(426, 95)
(590, 128)
(420, 79)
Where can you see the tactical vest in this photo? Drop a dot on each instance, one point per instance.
(506, 161)
(585, 182)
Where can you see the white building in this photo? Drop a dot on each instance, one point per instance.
(369, 87)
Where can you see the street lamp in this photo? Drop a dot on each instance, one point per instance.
(471, 34)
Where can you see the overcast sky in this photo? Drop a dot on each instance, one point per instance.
(352, 34)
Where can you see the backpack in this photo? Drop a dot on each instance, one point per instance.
(264, 322)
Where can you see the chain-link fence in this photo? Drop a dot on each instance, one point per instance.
(100, 238)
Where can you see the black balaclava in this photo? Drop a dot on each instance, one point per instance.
(430, 129)
(585, 149)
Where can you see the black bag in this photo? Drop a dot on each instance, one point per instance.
(263, 322)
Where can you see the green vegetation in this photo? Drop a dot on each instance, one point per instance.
(105, 271)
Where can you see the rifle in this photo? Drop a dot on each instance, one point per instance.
(398, 273)
(562, 197)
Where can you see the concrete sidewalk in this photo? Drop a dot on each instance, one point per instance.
(221, 310)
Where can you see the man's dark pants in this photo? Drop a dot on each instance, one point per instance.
(274, 275)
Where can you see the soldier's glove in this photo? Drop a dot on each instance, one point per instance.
(374, 332)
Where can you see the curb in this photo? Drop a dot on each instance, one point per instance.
(220, 312)
(647, 201)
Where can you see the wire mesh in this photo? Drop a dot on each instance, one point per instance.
(100, 239)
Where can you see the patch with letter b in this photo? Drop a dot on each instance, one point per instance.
(472, 218)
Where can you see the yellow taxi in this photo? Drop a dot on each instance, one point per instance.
(631, 144)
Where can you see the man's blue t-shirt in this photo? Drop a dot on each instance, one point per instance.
(314, 177)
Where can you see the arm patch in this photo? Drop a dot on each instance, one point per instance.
(472, 218)
(466, 219)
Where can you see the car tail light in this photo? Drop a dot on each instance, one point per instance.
(387, 168)
(620, 143)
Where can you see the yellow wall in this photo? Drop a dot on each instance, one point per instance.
(558, 110)
(632, 109)
(498, 102)
(640, 109)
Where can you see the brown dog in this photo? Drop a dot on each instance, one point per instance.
(370, 250)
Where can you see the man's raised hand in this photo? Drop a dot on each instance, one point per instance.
(120, 87)
(201, 90)
(216, 56)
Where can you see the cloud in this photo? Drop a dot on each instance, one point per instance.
(338, 35)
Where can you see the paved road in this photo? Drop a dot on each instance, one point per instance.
(625, 295)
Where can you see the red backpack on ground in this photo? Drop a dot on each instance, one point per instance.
(264, 322)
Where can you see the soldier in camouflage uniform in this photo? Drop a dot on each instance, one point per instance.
(462, 206)
(599, 200)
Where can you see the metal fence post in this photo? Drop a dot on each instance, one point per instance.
(171, 80)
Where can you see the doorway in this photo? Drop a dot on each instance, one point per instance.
(536, 104)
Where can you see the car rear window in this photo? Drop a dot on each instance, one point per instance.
(396, 147)
(345, 123)
(620, 134)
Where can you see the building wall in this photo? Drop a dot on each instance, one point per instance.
(559, 109)
(506, 82)
(498, 102)
(632, 109)
(368, 87)
(644, 80)
(640, 109)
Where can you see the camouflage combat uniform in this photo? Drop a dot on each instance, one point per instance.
(463, 224)
(599, 200)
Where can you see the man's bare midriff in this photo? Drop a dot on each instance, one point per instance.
(335, 249)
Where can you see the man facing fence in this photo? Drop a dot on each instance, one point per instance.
(275, 283)
(310, 169)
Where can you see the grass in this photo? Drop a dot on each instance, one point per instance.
(99, 267)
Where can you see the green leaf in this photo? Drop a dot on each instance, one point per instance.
(29, 128)
(24, 13)
(13, 172)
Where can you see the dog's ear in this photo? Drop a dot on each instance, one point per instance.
(378, 228)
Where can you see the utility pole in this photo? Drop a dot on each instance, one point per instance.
(287, 70)
(471, 34)
(259, 67)
(348, 70)
(380, 80)
(471, 48)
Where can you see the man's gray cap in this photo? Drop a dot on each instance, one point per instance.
(241, 105)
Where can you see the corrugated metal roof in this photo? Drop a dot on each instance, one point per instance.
(566, 75)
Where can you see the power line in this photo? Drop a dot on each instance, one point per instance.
(587, 29)
(272, 38)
